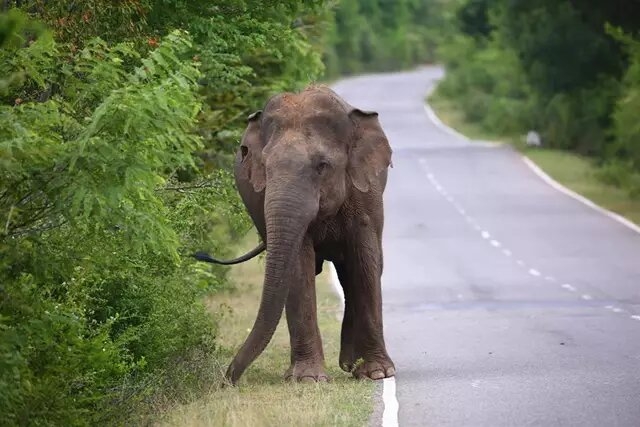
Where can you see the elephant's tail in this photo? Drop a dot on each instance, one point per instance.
(203, 256)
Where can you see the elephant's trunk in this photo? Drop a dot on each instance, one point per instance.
(288, 212)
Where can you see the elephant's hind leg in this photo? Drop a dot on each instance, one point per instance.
(307, 357)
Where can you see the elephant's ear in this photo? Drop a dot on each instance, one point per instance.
(252, 168)
(370, 153)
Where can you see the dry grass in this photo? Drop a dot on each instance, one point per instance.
(571, 170)
(263, 398)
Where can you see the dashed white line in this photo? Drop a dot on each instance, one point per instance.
(391, 417)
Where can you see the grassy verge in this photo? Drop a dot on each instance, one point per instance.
(573, 171)
(263, 397)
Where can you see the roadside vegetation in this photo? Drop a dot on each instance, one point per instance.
(569, 71)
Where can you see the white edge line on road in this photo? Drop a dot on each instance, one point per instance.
(553, 183)
(391, 406)
(536, 169)
(436, 121)
(389, 399)
(335, 283)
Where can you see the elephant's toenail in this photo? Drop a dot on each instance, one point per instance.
(391, 372)
(377, 375)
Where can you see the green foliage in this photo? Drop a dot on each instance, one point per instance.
(624, 168)
(551, 66)
(375, 35)
(96, 300)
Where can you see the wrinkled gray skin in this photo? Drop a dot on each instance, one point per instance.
(311, 171)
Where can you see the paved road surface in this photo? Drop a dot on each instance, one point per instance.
(506, 303)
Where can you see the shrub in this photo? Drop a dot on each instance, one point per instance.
(95, 297)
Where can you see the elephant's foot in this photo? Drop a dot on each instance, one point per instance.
(306, 371)
(346, 359)
(375, 368)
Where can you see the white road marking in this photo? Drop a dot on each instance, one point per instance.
(553, 183)
(391, 406)
(495, 243)
(436, 121)
(337, 288)
(459, 209)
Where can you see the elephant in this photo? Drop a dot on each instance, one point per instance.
(311, 171)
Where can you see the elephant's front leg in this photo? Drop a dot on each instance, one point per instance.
(307, 357)
(363, 272)
(347, 339)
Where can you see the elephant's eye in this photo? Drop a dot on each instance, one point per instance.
(322, 166)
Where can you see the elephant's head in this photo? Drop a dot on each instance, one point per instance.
(308, 153)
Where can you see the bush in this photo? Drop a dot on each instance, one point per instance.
(626, 126)
(95, 298)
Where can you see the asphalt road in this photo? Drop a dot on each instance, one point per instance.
(506, 302)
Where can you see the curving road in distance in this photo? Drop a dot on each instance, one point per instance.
(506, 302)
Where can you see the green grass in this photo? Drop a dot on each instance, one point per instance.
(263, 398)
(576, 172)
